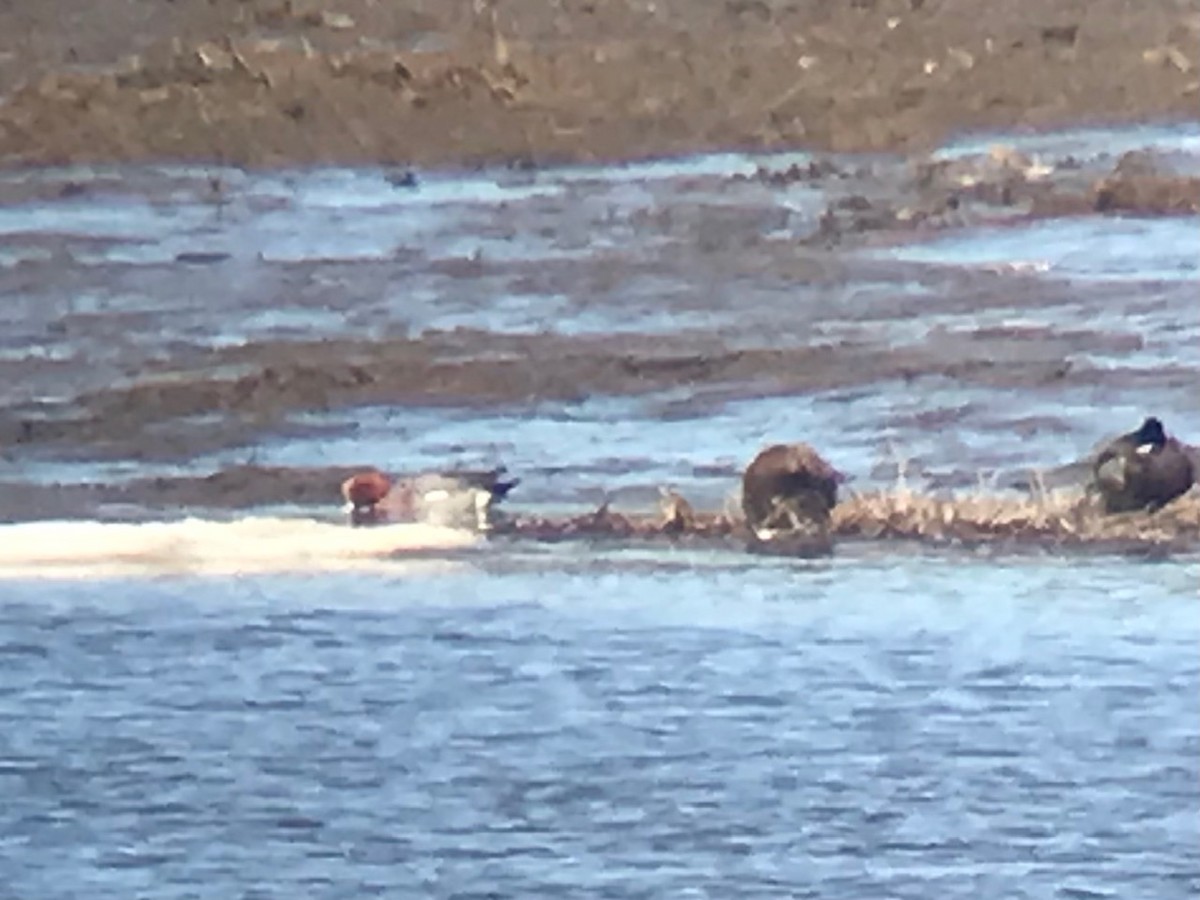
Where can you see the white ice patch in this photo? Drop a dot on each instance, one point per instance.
(68, 549)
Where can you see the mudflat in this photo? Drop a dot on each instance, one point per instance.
(270, 82)
(238, 334)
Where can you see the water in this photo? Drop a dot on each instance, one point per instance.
(657, 250)
(1134, 249)
(607, 725)
(260, 707)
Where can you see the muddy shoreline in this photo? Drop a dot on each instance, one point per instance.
(274, 82)
(1062, 522)
(693, 294)
(188, 398)
(832, 314)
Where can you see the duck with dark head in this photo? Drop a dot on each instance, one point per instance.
(1142, 470)
(789, 490)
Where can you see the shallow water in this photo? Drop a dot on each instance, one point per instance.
(1104, 250)
(559, 723)
(507, 720)
(694, 247)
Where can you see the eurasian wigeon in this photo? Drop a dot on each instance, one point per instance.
(458, 499)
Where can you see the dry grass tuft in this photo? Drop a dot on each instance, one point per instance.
(1054, 517)
(1062, 520)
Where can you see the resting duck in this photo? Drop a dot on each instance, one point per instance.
(458, 499)
(1144, 469)
(789, 488)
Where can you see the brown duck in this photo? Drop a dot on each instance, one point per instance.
(789, 488)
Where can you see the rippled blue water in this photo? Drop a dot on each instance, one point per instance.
(567, 724)
(1102, 249)
(575, 723)
(348, 255)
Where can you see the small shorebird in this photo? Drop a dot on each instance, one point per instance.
(1144, 469)
(458, 499)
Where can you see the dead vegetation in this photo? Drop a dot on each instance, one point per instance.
(1051, 520)
(1058, 518)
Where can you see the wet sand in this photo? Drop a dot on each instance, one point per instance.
(276, 82)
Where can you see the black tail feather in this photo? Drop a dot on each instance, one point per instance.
(501, 488)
